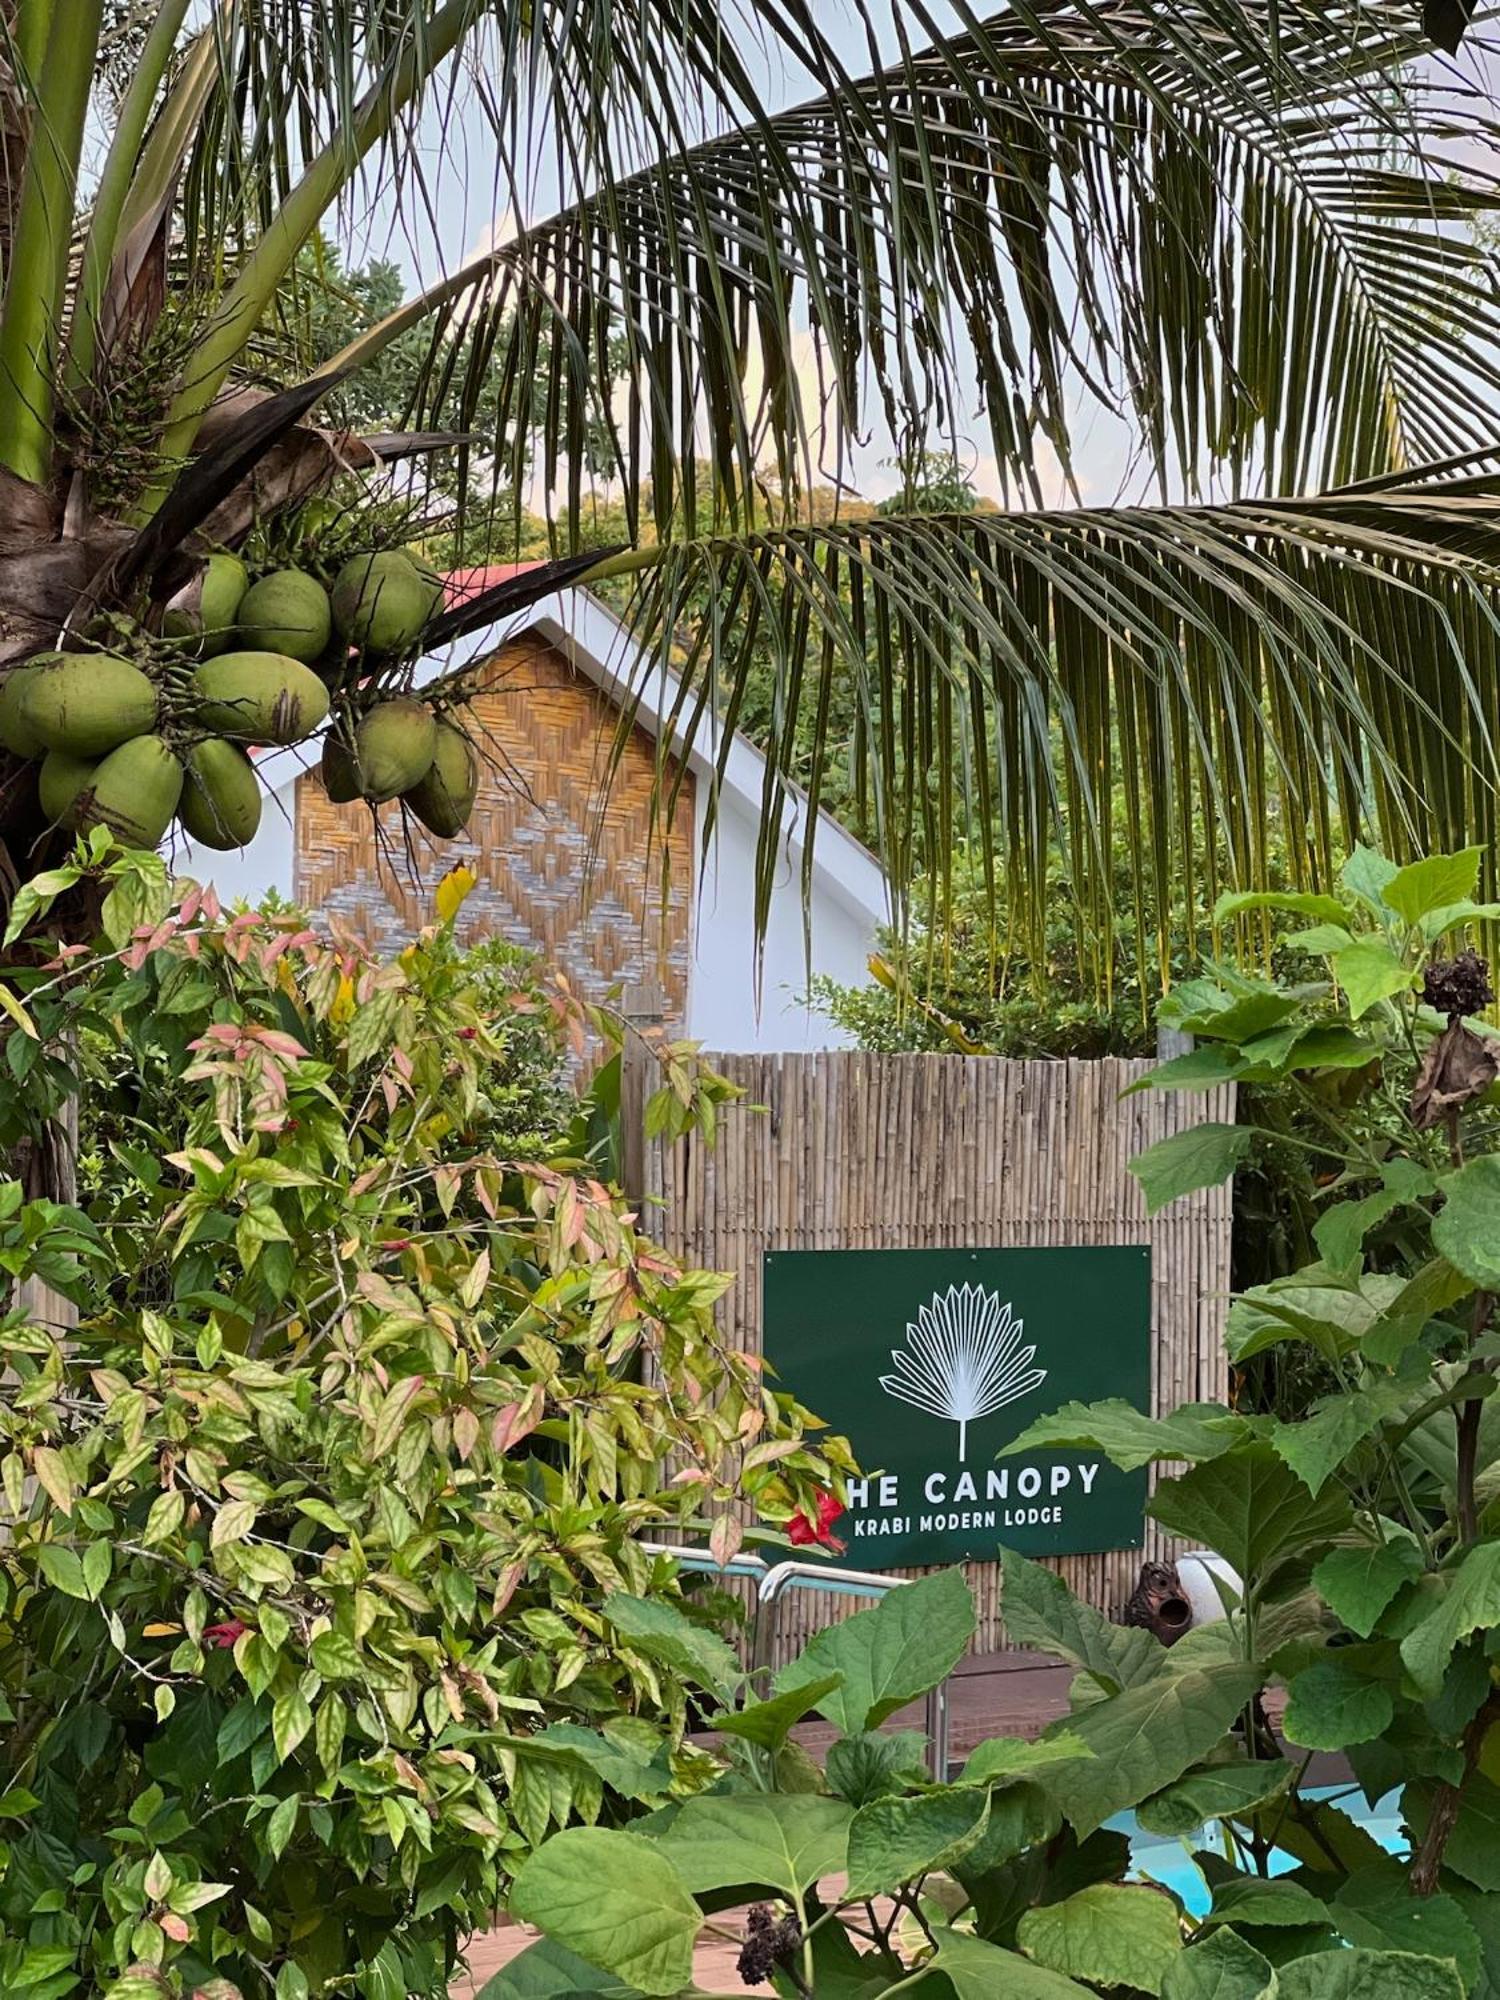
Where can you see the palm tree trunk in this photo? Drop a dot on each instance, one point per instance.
(45, 1167)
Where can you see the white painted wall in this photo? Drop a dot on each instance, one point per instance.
(722, 1010)
(246, 873)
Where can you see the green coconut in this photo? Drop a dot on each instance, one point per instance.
(382, 602)
(393, 748)
(339, 772)
(220, 805)
(134, 792)
(260, 697)
(204, 611)
(59, 782)
(287, 612)
(16, 733)
(444, 797)
(88, 703)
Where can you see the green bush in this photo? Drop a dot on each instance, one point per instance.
(322, 1594)
(1362, 1534)
(969, 982)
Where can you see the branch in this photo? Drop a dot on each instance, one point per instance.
(1427, 1861)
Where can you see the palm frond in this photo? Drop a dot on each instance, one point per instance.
(1243, 230)
(1262, 681)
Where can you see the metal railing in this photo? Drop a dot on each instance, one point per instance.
(774, 1583)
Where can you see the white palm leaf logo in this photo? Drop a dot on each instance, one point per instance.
(963, 1359)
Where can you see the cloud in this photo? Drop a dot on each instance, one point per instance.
(500, 229)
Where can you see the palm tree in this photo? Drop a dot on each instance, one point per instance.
(1243, 231)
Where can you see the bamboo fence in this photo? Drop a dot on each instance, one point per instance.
(859, 1151)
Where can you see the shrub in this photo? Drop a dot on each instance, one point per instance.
(971, 982)
(1363, 1537)
(322, 1596)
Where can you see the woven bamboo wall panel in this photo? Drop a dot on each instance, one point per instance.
(569, 860)
(858, 1151)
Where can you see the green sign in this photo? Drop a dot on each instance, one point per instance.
(931, 1361)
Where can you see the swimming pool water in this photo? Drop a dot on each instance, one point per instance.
(1170, 1862)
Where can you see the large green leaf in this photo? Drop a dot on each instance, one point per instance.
(1332, 1316)
(1358, 1584)
(1236, 902)
(1369, 1975)
(1259, 1901)
(1325, 1840)
(1483, 1913)
(980, 1971)
(769, 1722)
(1129, 1439)
(1113, 1933)
(1250, 1508)
(1466, 1229)
(1202, 1068)
(1217, 1791)
(1370, 971)
(634, 1771)
(662, 1633)
(1365, 874)
(1021, 1816)
(1376, 1908)
(1001, 1757)
(616, 1900)
(1201, 1157)
(1317, 1446)
(1246, 1018)
(1040, 1611)
(1471, 1603)
(908, 1643)
(893, 1841)
(1222, 1967)
(1432, 884)
(1331, 1705)
(545, 1971)
(875, 1764)
(1146, 1738)
(756, 1840)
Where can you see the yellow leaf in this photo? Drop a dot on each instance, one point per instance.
(453, 890)
(342, 1009)
(162, 1631)
(18, 1013)
(52, 1474)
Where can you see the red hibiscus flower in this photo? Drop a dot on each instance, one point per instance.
(225, 1634)
(803, 1534)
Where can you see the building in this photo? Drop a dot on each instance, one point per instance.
(578, 867)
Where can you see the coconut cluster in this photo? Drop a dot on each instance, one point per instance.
(132, 742)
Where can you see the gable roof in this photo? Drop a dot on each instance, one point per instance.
(600, 648)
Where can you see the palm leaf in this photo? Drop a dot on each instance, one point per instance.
(1244, 230)
(1264, 679)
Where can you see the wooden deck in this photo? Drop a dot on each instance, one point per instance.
(996, 1694)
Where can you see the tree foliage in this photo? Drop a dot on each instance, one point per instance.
(1247, 243)
(323, 1592)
